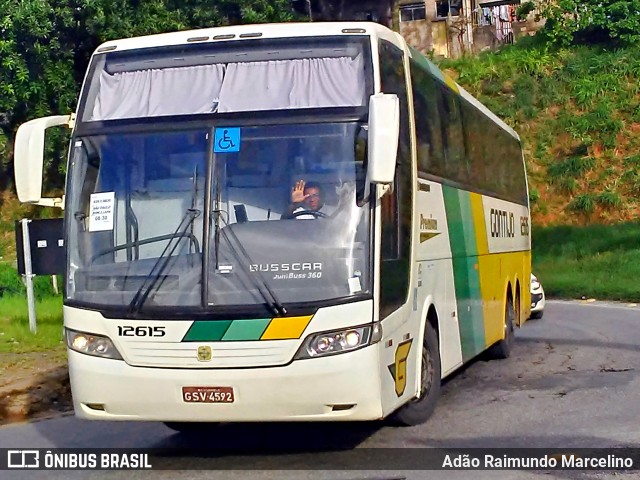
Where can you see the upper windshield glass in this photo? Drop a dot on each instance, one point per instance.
(226, 216)
(233, 76)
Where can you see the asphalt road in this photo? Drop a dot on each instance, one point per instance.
(573, 381)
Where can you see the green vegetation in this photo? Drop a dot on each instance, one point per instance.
(599, 261)
(588, 21)
(577, 110)
(15, 336)
(11, 284)
(524, 9)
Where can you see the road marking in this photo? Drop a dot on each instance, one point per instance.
(621, 306)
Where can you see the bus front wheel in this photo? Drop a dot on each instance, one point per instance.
(419, 409)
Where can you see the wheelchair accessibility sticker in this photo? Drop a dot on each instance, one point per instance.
(226, 140)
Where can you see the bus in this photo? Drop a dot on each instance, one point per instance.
(193, 296)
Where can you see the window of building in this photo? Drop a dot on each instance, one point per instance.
(444, 8)
(413, 11)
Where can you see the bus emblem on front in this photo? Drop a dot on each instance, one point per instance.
(204, 353)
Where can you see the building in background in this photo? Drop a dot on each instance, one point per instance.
(442, 28)
(450, 28)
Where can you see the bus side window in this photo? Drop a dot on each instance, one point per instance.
(396, 204)
(478, 137)
(453, 137)
(430, 148)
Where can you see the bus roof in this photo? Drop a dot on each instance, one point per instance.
(293, 29)
(247, 32)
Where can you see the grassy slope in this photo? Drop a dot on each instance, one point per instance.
(15, 336)
(578, 113)
(601, 261)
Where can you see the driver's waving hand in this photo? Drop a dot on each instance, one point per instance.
(306, 201)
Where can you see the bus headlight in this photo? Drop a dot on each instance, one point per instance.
(90, 344)
(339, 341)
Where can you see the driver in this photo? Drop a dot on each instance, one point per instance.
(305, 197)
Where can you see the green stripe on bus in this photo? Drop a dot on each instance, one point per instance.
(468, 227)
(455, 221)
(207, 331)
(466, 275)
(251, 329)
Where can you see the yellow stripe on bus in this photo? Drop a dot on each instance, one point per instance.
(286, 328)
(477, 212)
(489, 270)
(451, 83)
(493, 285)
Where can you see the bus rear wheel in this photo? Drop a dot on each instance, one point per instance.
(502, 349)
(419, 409)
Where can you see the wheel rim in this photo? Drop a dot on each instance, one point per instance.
(509, 321)
(426, 373)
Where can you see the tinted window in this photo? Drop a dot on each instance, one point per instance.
(456, 166)
(396, 205)
(459, 143)
(428, 126)
(495, 157)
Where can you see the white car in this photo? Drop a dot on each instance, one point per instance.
(537, 298)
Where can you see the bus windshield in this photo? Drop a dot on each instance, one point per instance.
(226, 77)
(206, 217)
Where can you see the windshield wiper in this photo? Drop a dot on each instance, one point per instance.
(261, 285)
(163, 260)
(217, 215)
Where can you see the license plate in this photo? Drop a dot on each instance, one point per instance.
(208, 394)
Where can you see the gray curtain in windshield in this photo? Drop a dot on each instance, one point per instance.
(302, 83)
(149, 93)
(279, 84)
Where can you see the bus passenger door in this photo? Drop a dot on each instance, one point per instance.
(399, 332)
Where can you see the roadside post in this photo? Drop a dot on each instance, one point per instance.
(40, 251)
(28, 275)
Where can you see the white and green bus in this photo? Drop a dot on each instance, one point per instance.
(194, 294)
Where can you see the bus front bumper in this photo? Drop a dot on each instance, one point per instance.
(339, 387)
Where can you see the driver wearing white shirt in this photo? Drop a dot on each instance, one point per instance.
(307, 201)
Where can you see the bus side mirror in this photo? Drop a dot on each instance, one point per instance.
(29, 158)
(384, 128)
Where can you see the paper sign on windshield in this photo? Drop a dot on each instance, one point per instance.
(102, 206)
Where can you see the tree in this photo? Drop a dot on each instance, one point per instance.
(339, 10)
(45, 46)
(592, 21)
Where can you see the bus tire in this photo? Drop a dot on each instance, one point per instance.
(419, 409)
(190, 428)
(502, 349)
